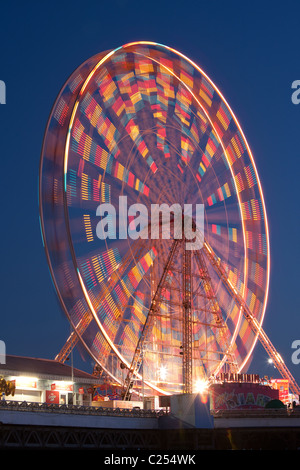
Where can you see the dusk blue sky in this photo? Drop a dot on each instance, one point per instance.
(251, 52)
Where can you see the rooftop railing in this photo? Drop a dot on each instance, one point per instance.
(79, 409)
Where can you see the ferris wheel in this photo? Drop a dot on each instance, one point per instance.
(137, 128)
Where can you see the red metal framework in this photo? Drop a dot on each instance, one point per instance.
(187, 344)
(221, 330)
(178, 250)
(153, 311)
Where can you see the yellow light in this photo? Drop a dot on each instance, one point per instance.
(163, 373)
(22, 381)
(201, 386)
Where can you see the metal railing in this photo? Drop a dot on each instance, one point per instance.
(79, 409)
(257, 413)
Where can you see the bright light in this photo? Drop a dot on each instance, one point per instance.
(271, 362)
(163, 373)
(201, 386)
(25, 382)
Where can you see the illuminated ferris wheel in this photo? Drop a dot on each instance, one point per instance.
(142, 126)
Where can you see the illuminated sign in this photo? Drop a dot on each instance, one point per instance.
(62, 386)
(230, 377)
(52, 396)
(25, 382)
(282, 385)
(229, 396)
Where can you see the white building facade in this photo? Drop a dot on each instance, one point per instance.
(47, 381)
